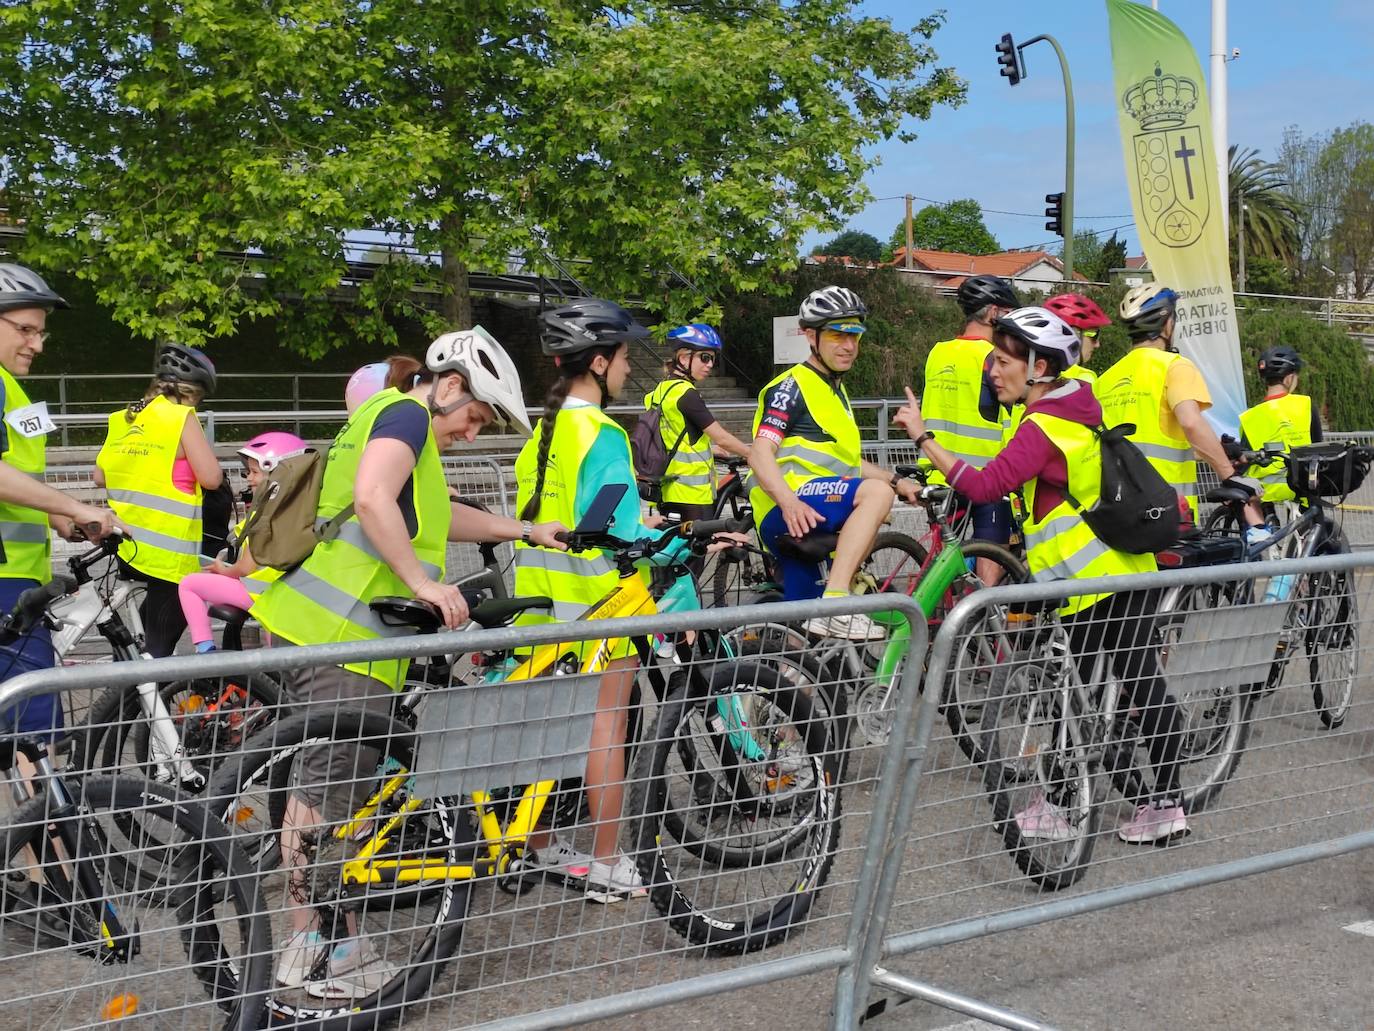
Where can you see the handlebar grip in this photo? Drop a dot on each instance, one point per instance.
(31, 604)
(564, 536)
(705, 528)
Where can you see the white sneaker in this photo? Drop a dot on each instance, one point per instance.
(853, 627)
(298, 956)
(607, 883)
(560, 856)
(355, 971)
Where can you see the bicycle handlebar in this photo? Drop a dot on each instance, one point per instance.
(80, 565)
(31, 606)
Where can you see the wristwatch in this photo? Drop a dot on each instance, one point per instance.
(927, 435)
(526, 530)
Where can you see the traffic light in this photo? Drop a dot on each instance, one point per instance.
(1007, 58)
(1054, 212)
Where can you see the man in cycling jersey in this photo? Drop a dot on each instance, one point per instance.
(808, 470)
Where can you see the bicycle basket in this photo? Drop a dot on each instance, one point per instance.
(1333, 470)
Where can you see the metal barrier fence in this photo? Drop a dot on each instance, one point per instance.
(1012, 816)
(757, 820)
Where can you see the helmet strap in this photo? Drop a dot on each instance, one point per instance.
(453, 406)
(820, 359)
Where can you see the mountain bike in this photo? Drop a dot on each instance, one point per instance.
(739, 779)
(79, 855)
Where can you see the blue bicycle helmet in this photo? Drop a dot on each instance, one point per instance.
(696, 335)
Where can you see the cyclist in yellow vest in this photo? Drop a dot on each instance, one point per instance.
(1163, 395)
(961, 406)
(809, 473)
(1282, 417)
(691, 434)
(154, 464)
(578, 449)
(1056, 455)
(27, 504)
(386, 464)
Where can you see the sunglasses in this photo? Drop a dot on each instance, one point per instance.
(709, 357)
(846, 328)
(1089, 334)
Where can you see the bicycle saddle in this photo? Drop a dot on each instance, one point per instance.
(1228, 496)
(232, 615)
(496, 612)
(814, 547)
(393, 610)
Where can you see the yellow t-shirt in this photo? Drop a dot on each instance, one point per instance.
(1183, 383)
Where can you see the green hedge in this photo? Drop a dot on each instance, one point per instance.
(907, 319)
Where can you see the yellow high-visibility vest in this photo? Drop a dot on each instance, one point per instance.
(690, 478)
(1286, 419)
(1132, 391)
(949, 404)
(24, 531)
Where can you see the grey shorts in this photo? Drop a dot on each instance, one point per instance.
(336, 778)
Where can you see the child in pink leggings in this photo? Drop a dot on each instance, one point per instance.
(238, 582)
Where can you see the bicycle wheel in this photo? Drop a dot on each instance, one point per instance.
(99, 941)
(1331, 638)
(983, 648)
(894, 564)
(410, 930)
(735, 832)
(788, 653)
(1043, 777)
(1214, 721)
(211, 718)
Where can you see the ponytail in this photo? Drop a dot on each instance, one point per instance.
(175, 391)
(404, 372)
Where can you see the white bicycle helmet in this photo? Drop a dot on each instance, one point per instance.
(1045, 333)
(490, 374)
(828, 304)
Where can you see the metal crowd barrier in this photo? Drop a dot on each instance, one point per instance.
(1264, 682)
(799, 815)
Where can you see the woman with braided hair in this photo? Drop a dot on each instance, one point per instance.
(576, 450)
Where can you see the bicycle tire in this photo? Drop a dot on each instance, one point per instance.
(266, 760)
(789, 653)
(984, 646)
(1018, 776)
(690, 899)
(209, 870)
(1331, 638)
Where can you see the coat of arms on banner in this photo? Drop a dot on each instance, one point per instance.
(1171, 166)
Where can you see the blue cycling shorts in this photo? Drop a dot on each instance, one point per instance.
(992, 522)
(41, 714)
(833, 498)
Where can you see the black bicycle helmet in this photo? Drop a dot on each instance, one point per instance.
(1278, 362)
(828, 304)
(587, 322)
(976, 292)
(21, 287)
(178, 364)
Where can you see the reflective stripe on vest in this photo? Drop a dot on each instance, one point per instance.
(137, 460)
(690, 478)
(574, 582)
(949, 403)
(800, 459)
(325, 599)
(23, 530)
(1286, 419)
(1132, 391)
(1061, 546)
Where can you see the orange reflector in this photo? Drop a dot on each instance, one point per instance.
(119, 1007)
(243, 814)
(192, 703)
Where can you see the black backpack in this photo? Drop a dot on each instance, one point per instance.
(650, 451)
(1137, 510)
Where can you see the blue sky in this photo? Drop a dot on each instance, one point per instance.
(1302, 63)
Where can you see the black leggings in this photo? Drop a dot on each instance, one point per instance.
(1123, 624)
(163, 620)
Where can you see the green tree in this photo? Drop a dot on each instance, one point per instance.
(1349, 161)
(676, 148)
(853, 243)
(1271, 214)
(1094, 257)
(956, 226)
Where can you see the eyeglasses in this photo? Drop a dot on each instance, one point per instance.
(1089, 334)
(709, 357)
(31, 332)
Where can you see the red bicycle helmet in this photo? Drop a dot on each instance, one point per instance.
(1078, 311)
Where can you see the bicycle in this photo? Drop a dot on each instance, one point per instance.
(1321, 608)
(742, 574)
(739, 772)
(78, 858)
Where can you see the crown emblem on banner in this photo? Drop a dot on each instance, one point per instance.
(1160, 101)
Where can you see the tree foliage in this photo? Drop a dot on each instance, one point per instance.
(1095, 257)
(956, 226)
(201, 162)
(1271, 215)
(853, 243)
(1349, 162)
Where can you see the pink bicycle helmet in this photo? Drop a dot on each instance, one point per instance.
(364, 383)
(269, 448)
(1078, 311)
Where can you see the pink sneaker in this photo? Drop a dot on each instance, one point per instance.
(1042, 819)
(1155, 823)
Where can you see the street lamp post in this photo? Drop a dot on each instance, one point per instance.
(1015, 71)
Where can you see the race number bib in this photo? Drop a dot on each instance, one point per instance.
(31, 420)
